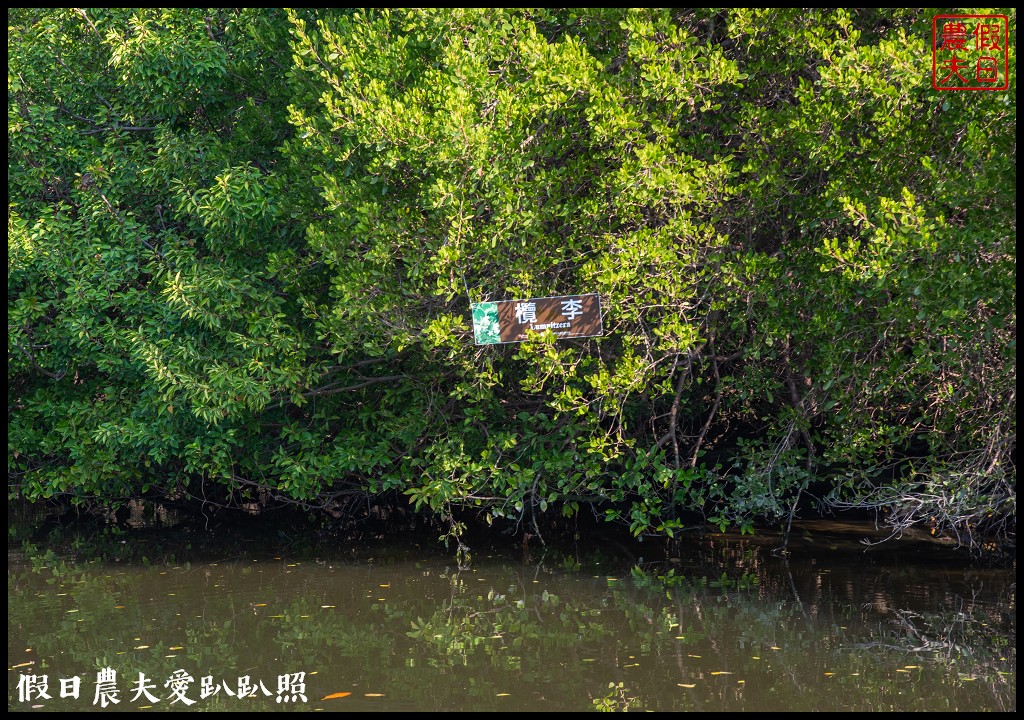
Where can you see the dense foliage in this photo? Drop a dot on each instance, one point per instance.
(243, 246)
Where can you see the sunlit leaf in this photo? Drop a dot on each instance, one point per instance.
(335, 696)
(721, 672)
(686, 685)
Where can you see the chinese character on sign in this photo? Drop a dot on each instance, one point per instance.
(106, 688)
(291, 688)
(954, 36)
(969, 52)
(988, 69)
(208, 686)
(141, 688)
(247, 690)
(178, 683)
(572, 308)
(69, 687)
(987, 36)
(526, 312)
(32, 687)
(954, 65)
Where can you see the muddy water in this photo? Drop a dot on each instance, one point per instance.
(159, 620)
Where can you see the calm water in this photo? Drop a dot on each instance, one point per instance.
(724, 625)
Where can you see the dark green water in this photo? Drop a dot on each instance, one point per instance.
(724, 625)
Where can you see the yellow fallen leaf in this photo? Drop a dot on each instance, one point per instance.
(694, 656)
(721, 672)
(260, 605)
(385, 585)
(335, 696)
(685, 685)
(176, 647)
(503, 695)
(912, 667)
(374, 694)
(140, 647)
(24, 664)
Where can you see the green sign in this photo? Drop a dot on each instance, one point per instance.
(508, 321)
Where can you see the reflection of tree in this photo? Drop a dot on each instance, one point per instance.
(460, 643)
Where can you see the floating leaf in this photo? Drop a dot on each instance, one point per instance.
(503, 695)
(686, 686)
(335, 696)
(374, 694)
(140, 647)
(721, 672)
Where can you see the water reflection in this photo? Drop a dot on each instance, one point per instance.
(724, 625)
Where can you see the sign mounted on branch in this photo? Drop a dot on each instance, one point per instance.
(508, 321)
